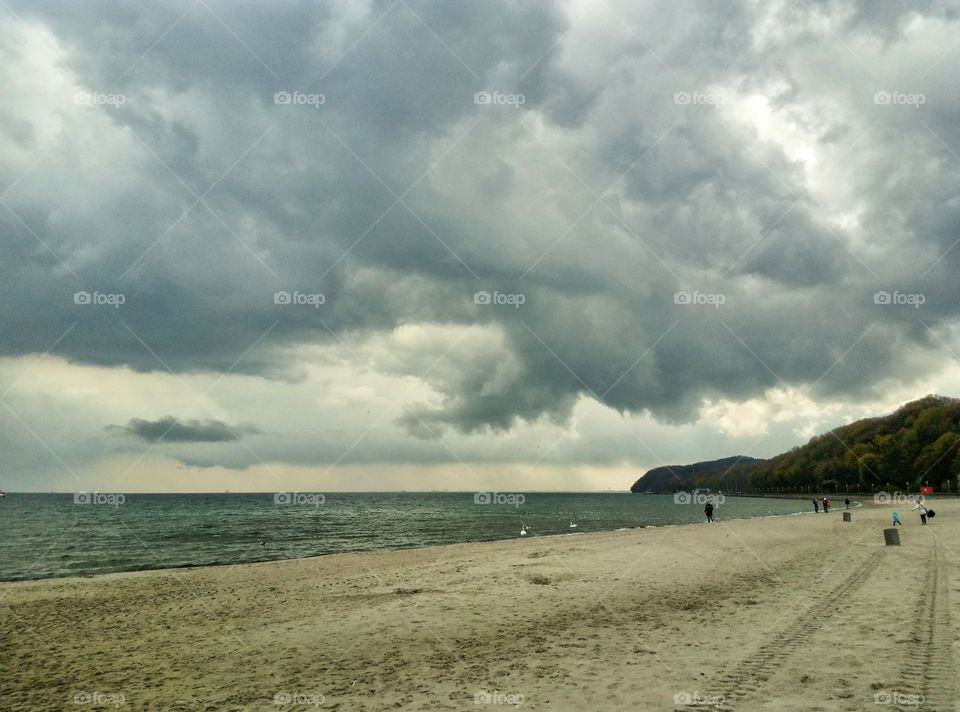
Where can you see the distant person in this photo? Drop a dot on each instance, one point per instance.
(846, 503)
(922, 508)
(826, 505)
(816, 507)
(708, 510)
(896, 520)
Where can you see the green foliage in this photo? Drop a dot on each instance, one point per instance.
(918, 444)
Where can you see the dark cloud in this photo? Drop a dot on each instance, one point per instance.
(599, 199)
(174, 430)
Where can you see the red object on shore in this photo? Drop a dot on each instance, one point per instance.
(926, 489)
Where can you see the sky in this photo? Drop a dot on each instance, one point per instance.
(469, 246)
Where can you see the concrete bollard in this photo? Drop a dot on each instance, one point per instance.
(846, 516)
(891, 537)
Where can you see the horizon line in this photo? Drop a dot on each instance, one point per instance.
(405, 491)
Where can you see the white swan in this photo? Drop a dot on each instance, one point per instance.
(573, 526)
(523, 530)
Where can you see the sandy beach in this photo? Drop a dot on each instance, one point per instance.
(790, 613)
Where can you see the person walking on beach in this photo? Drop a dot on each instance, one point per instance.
(816, 507)
(846, 503)
(826, 505)
(923, 510)
(708, 510)
(896, 520)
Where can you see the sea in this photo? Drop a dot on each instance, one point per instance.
(83, 534)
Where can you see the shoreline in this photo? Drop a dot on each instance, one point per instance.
(219, 564)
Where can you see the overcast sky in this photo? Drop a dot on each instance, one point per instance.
(464, 245)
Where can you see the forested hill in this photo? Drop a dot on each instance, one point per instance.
(673, 477)
(918, 444)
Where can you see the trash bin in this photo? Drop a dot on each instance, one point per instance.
(846, 516)
(891, 537)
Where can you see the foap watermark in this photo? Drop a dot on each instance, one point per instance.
(496, 98)
(95, 98)
(894, 498)
(697, 698)
(897, 98)
(110, 499)
(299, 299)
(899, 299)
(299, 98)
(513, 299)
(109, 299)
(696, 298)
(512, 499)
(314, 699)
(698, 98)
(497, 697)
(99, 699)
(895, 697)
(310, 499)
(698, 498)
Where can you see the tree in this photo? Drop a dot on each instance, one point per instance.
(935, 463)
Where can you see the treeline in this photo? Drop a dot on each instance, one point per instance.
(917, 445)
(670, 478)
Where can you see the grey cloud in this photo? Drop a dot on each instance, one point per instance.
(705, 205)
(175, 430)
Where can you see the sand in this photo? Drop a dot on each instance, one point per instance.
(789, 613)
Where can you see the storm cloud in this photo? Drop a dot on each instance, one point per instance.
(648, 206)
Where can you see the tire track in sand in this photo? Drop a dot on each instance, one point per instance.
(750, 674)
(928, 664)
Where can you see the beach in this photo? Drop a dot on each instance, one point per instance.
(802, 612)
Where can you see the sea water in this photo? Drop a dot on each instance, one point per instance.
(49, 535)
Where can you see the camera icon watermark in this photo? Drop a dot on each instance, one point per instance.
(299, 299)
(695, 698)
(482, 697)
(495, 98)
(310, 499)
(110, 499)
(512, 499)
(297, 98)
(699, 98)
(696, 298)
(95, 98)
(698, 498)
(99, 699)
(115, 300)
(893, 498)
(896, 98)
(899, 299)
(313, 699)
(894, 697)
(515, 299)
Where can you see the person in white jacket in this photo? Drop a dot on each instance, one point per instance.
(923, 510)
